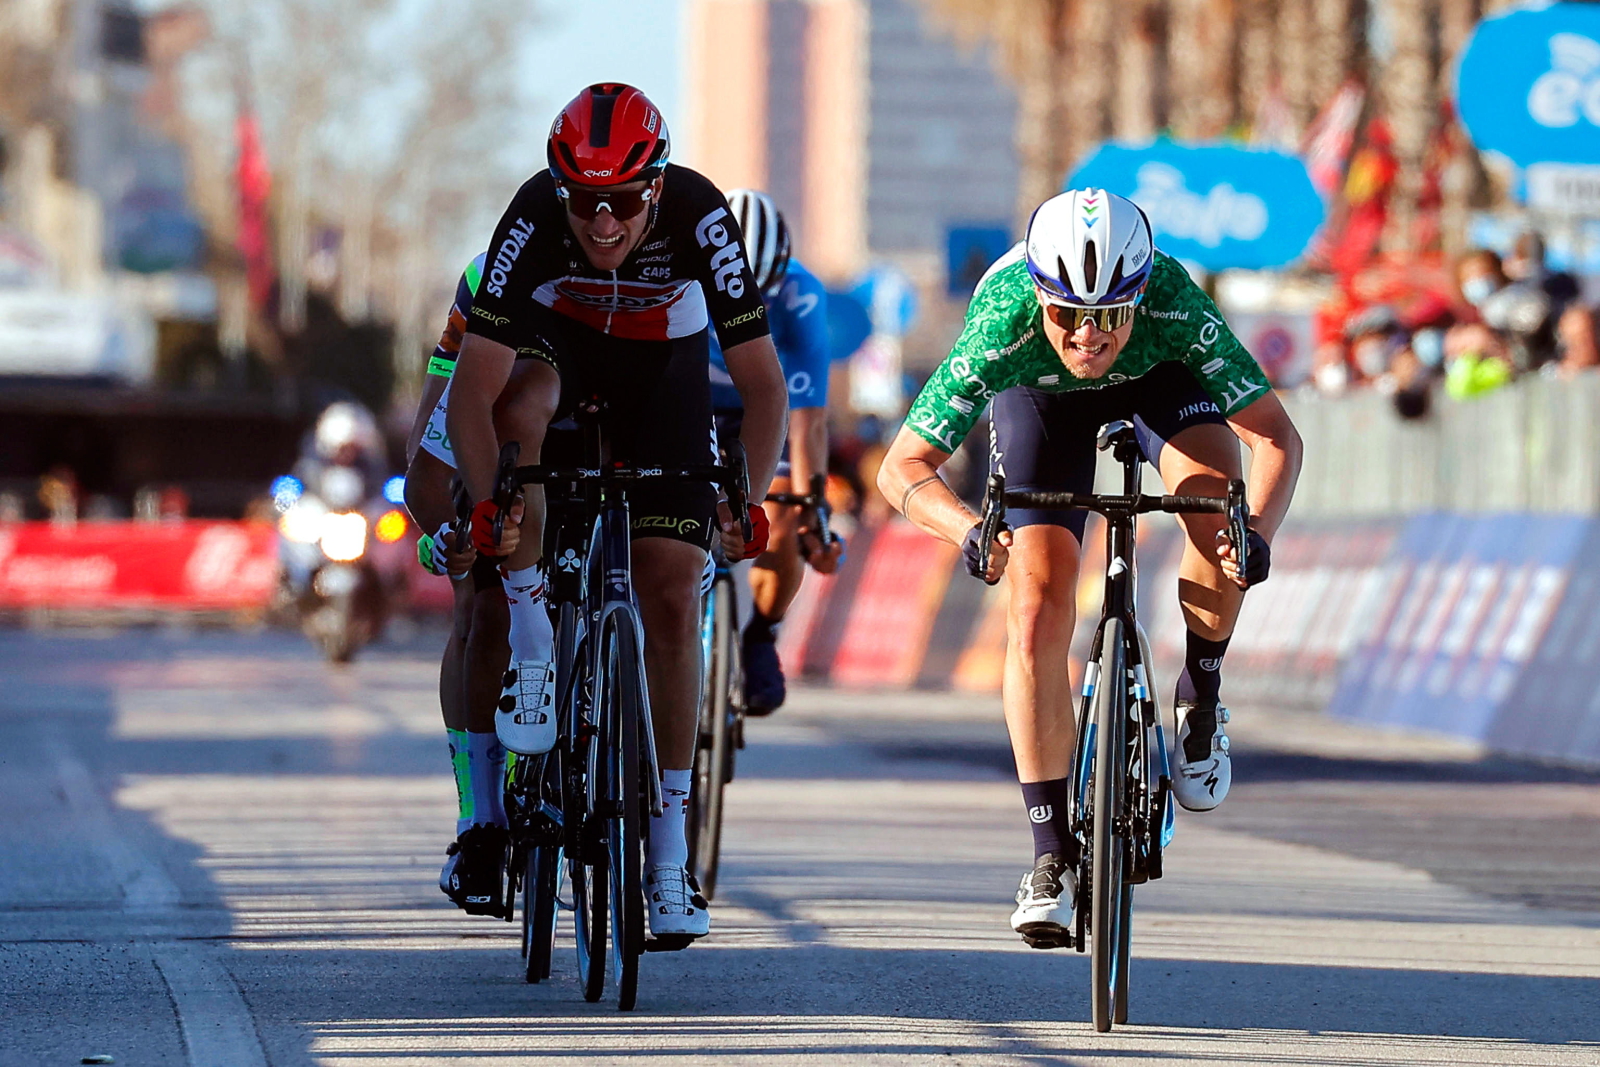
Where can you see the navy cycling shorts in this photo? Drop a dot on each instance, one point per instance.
(1045, 442)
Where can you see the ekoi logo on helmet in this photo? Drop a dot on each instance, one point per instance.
(609, 134)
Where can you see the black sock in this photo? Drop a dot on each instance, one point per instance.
(761, 628)
(1201, 680)
(1201, 684)
(1050, 818)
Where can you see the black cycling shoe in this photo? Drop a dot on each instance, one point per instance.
(474, 872)
(764, 688)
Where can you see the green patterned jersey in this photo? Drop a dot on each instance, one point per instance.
(1003, 345)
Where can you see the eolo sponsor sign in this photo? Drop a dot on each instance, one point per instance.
(1529, 85)
(1216, 205)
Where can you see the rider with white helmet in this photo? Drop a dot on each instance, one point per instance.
(1084, 323)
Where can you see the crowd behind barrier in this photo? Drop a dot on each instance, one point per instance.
(1533, 446)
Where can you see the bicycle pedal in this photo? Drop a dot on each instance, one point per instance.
(1064, 941)
(669, 943)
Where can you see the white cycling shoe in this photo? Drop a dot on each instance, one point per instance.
(1202, 784)
(1045, 903)
(678, 913)
(525, 718)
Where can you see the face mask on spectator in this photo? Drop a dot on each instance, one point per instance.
(1332, 377)
(1429, 347)
(1372, 356)
(1478, 289)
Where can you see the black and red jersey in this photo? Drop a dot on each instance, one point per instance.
(690, 271)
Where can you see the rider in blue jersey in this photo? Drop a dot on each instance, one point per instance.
(797, 313)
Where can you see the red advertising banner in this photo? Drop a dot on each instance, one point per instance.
(895, 604)
(137, 564)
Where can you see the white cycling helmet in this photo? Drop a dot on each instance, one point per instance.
(1088, 248)
(766, 236)
(346, 423)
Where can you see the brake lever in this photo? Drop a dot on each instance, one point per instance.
(739, 489)
(505, 485)
(1238, 531)
(994, 513)
(819, 504)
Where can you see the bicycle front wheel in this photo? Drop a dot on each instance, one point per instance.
(623, 716)
(1108, 855)
(713, 758)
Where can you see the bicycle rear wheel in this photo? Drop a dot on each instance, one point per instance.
(591, 901)
(713, 759)
(1108, 854)
(541, 884)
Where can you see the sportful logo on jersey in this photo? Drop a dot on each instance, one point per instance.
(507, 255)
(726, 261)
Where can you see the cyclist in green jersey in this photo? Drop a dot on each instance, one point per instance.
(1081, 324)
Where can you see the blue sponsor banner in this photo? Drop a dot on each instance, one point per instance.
(1216, 205)
(1529, 84)
(1460, 647)
(1552, 708)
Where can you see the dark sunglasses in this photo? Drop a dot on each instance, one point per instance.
(1072, 316)
(623, 204)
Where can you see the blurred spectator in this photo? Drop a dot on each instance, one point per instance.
(58, 493)
(1374, 336)
(1526, 264)
(12, 507)
(1519, 311)
(1578, 339)
(1476, 361)
(1330, 369)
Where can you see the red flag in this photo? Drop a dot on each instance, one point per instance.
(255, 184)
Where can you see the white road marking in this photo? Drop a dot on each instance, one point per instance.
(216, 1024)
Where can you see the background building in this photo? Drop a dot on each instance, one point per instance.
(874, 131)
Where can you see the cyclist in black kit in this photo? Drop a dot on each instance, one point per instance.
(603, 278)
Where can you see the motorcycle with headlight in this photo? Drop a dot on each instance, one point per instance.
(327, 522)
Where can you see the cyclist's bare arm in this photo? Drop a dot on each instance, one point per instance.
(753, 366)
(808, 445)
(432, 389)
(1275, 451)
(909, 480)
(482, 370)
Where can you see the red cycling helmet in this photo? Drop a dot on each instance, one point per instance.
(610, 134)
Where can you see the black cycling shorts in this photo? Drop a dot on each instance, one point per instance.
(658, 413)
(1045, 442)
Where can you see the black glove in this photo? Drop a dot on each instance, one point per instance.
(1258, 558)
(972, 546)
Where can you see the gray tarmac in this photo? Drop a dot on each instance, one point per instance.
(220, 852)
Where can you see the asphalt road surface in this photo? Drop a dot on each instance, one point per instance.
(219, 852)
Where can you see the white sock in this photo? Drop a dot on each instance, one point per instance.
(531, 634)
(486, 763)
(667, 841)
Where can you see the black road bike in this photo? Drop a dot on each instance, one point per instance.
(581, 811)
(1122, 809)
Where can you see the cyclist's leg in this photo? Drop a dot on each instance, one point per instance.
(1196, 454)
(664, 417)
(471, 872)
(526, 721)
(1044, 442)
